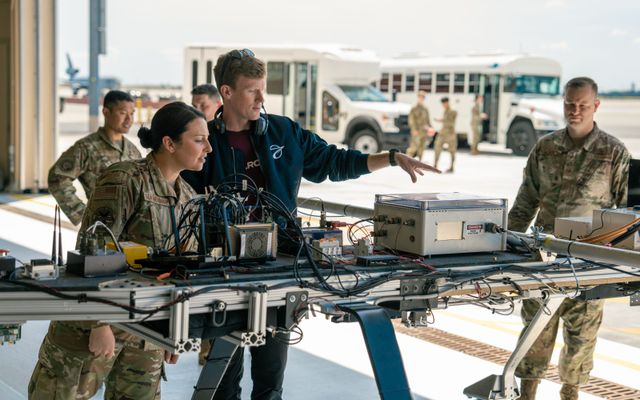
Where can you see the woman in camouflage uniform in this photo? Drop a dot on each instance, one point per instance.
(134, 199)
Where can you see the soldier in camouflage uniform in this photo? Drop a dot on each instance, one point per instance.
(91, 155)
(420, 125)
(134, 199)
(447, 134)
(569, 173)
(85, 161)
(206, 99)
(476, 120)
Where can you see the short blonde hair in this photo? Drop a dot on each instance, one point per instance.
(227, 71)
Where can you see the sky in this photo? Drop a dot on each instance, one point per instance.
(146, 38)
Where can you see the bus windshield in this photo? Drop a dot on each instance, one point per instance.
(532, 84)
(363, 93)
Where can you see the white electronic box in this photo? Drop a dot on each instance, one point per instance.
(440, 223)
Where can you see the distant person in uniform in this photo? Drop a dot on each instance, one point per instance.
(206, 99)
(91, 155)
(420, 126)
(447, 134)
(477, 116)
(135, 200)
(569, 173)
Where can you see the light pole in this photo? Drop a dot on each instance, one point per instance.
(97, 46)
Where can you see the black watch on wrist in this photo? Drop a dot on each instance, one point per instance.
(392, 157)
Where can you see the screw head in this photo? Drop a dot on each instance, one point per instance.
(292, 298)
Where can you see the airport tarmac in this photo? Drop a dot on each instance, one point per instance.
(331, 361)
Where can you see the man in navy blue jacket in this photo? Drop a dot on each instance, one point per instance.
(276, 153)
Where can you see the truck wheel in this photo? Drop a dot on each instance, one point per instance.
(522, 138)
(365, 141)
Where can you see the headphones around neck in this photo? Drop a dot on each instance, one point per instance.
(260, 125)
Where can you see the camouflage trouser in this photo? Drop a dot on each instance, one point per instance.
(417, 145)
(475, 137)
(581, 322)
(451, 140)
(67, 370)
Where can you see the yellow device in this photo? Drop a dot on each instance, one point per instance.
(132, 251)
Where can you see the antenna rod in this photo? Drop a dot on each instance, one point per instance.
(60, 260)
(54, 256)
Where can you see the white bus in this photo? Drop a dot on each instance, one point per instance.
(521, 93)
(325, 88)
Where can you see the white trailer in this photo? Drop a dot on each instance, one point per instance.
(521, 93)
(325, 88)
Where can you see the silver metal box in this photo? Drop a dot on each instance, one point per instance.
(572, 227)
(440, 223)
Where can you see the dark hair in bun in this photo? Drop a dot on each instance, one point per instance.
(170, 120)
(144, 134)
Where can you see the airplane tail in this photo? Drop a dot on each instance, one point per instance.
(71, 70)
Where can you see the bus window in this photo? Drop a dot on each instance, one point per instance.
(209, 71)
(330, 112)
(409, 82)
(194, 73)
(397, 83)
(509, 84)
(362, 93)
(301, 95)
(531, 84)
(312, 94)
(458, 83)
(384, 83)
(277, 78)
(474, 83)
(442, 83)
(425, 80)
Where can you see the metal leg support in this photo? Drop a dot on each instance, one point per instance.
(499, 387)
(217, 362)
(384, 352)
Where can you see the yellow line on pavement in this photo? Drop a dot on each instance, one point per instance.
(558, 345)
(34, 199)
(622, 300)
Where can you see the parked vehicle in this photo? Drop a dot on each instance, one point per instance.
(521, 93)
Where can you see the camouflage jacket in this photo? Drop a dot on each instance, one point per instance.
(134, 200)
(449, 122)
(419, 118)
(85, 161)
(565, 180)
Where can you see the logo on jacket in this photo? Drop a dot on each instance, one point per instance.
(276, 151)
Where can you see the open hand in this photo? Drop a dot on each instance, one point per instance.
(413, 166)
